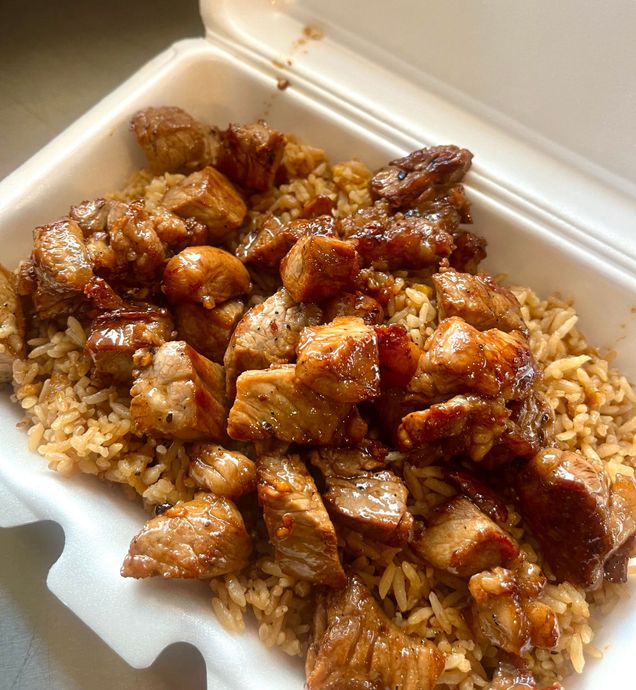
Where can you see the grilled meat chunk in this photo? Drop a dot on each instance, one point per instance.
(465, 424)
(444, 199)
(340, 360)
(401, 241)
(320, 205)
(275, 404)
(348, 462)
(406, 179)
(578, 520)
(565, 500)
(303, 537)
(268, 244)
(349, 304)
(178, 393)
(220, 471)
(469, 252)
(268, 334)
(398, 354)
(116, 335)
(198, 539)
(93, 216)
(623, 527)
(11, 325)
(356, 646)
(318, 267)
(205, 275)
(209, 197)
(208, 330)
(251, 154)
(61, 266)
(372, 503)
(479, 300)
(463, 541)
(459, 358)
(479, 493)
(512, 674)
(172, 139)
(506, 610)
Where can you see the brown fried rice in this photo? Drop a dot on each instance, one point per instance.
(79, 427)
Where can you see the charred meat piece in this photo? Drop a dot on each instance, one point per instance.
(479, 493)
(303, 537)
(623, 527)
(398, 354)
(349, 304)
(268, 334)
(320, 205)
(441, 199)
(209, 197)
(469, 252)
(508, 615)
(251, 154)
(62, 267)
(220, 471)
(404, 180)
(172, 139)
(340, 360)
(348, 462)
(198, 539)
(479, 300)
(208, 330)
(317, 268)
(205, 275)
(391, 407)
(356, 646)
(116, 335)
(463, 541)
(177, 233)
(459, 358)
(268, 244)
(178, 393)
(372, 503)
(11, 325)
(565, 501)
(275, 404)
(403, 241)
(465, 424)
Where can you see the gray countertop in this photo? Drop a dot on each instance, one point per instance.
(57, 59)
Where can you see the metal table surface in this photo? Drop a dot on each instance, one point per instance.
(57, 59)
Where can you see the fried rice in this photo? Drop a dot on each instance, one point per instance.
(78, 426)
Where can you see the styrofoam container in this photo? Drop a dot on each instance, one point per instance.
(551, 126)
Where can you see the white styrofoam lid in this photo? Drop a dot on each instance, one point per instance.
(542, 92)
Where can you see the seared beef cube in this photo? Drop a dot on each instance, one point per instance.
(479, 300)
(178, 394)
(348, 462)
(399, 355)
(268, 244)
(62, 267)
(11, 325)
(303, 537)
(442, 199)
(372, 503)
(492, 363)
(317, 268)
(320, 205)
(268, 334)
(463, 424)
(349, 304)
(222, 472)
(275, 404)
(565, 501)
(479, 493)
(404, 241)
(198, 539)
(404, 180)
(92, 216)
(469, 252)
(205, 275)
(208, 330)
(461, 540)
(250, 155)
(177, 233)
(209, 197)
(623, 527)
(340, 360)
(356, 646)
(116, 335)
(507, 615)
(172, 139)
